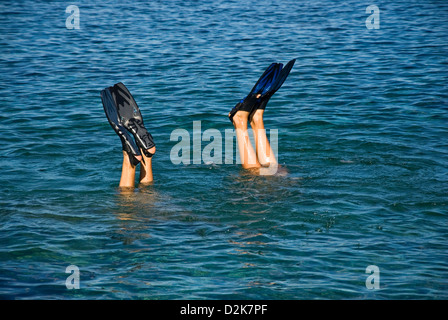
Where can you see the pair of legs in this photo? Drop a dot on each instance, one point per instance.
(127, 179)
(262, 157)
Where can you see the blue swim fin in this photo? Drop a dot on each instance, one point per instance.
(277, 84)
(264, 84)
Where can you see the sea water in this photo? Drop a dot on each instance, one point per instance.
(362, 134)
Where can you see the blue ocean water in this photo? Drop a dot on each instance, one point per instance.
(362, 122)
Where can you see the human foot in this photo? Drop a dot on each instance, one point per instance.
(128, 144)
(131, 117)
(250, 102)
(278, 82)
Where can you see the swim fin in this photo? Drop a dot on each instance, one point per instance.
(131, 117)
(111, 111)
(264, 99)
(262, 86)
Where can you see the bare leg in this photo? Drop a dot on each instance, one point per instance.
(127, 172)
(265, 154)
(247, 152)
(146, 168)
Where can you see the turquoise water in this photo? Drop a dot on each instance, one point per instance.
(362, 123)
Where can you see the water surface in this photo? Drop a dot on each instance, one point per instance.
(362, 122)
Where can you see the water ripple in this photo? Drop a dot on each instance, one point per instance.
(362, 130)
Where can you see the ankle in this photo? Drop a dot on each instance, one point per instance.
(127, 161)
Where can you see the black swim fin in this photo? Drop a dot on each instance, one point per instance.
(127, 142)
(131, 117)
